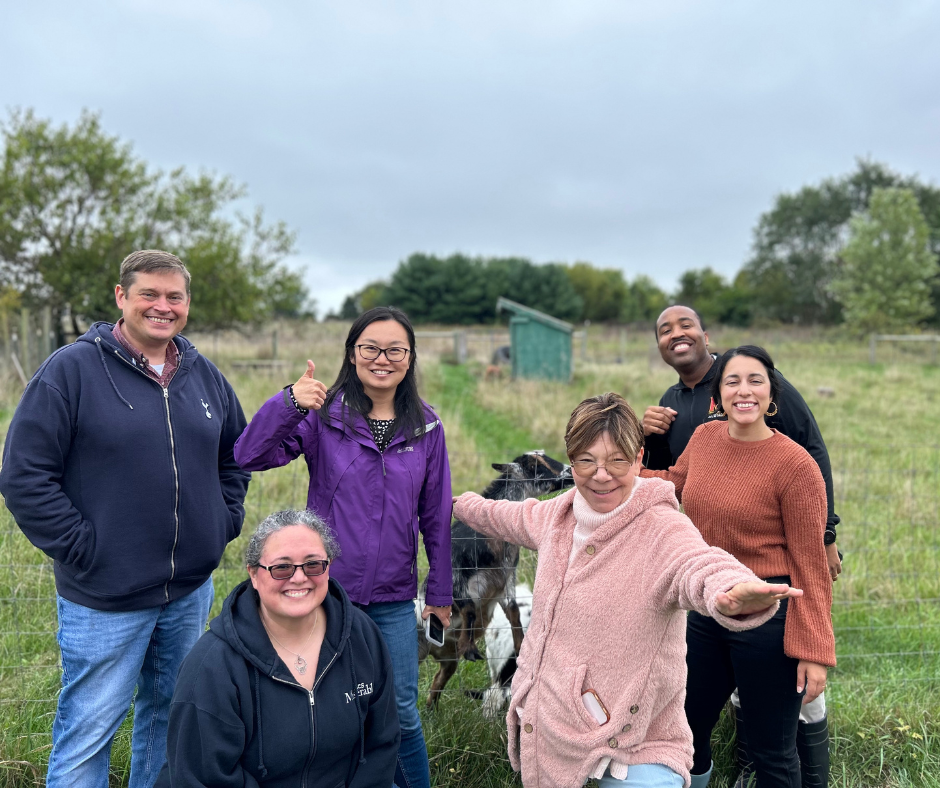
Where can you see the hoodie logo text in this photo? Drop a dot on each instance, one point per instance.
(362, 689)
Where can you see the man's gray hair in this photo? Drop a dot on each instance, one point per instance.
(151, 261)
(285, 519)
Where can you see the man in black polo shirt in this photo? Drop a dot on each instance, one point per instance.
(683, 345)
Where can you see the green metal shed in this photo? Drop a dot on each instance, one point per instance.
(541, 344)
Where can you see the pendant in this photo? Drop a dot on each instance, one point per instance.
(301, 664)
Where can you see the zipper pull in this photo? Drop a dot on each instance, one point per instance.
(382, 455)
(310, 693)
(166, 393)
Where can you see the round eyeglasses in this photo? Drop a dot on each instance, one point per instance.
(588, 468)
(286, 571)
(393, 354)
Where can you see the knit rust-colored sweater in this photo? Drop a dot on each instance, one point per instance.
(765, 503)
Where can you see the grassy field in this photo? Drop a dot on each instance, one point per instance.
(881, 425)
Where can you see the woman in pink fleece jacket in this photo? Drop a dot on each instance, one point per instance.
(618, 566)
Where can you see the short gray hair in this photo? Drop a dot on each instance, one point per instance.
(285, 519)
(151, 261)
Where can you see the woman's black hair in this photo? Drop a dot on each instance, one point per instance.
(409, 410)
(751, 351)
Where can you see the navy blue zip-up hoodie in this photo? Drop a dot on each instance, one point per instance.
(239, 718)
(132, 489)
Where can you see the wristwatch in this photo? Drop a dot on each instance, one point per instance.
(829, 537)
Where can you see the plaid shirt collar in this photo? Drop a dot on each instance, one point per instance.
(170, 365)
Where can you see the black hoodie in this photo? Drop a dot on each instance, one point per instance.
(239, 718)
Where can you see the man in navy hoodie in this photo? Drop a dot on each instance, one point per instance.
(119, 466)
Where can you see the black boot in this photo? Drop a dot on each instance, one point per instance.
(746, 776)
(812, 744)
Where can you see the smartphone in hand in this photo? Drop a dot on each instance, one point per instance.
(434, 629)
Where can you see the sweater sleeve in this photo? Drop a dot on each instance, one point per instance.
(690, 574)
(808, 634)
(276, 435)
(32, 473)
(434, 513)
(679, 472)
(524, 523)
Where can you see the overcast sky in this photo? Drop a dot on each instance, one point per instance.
(647, 136)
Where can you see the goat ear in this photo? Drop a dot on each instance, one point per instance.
(499, 466)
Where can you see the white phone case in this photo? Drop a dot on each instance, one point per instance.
(593, 704)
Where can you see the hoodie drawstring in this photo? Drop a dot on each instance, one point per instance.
(261, 766)
(107, 371)
(362, 721)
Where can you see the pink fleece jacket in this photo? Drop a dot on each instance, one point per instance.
(612, 622)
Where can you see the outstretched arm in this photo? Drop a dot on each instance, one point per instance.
(520, 522)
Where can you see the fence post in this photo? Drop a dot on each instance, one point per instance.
(274, 345)
(25, 344)
(871, 348)
(460, 346)
(48, 344)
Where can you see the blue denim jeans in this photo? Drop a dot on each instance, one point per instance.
(643, 775)
(105, 655)
(396, 621)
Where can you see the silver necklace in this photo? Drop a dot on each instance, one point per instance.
(300, 663)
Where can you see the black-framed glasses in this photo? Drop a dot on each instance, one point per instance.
(286, 571)
(393, 354)
(588, 468)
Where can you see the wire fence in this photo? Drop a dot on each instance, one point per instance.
(886, 608)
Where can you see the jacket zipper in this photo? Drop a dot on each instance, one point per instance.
(176, 506)
(176, 475)
(313, 722)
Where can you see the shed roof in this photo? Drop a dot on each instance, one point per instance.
(532, 314)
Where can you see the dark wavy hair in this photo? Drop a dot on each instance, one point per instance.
(409, 409)
(751, 351)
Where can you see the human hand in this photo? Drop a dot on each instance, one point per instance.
(811, 675)
(753, 597)
(835, 563)
(443, 613)
(309, 392)
(657, 420)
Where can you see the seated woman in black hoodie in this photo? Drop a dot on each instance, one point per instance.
(292, 684)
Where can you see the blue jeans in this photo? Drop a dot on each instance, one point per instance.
(105, 655)
(396, 621)
(644, 775)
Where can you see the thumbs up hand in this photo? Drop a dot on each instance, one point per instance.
(309, 392)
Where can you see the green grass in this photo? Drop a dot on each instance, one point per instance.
(881, 427)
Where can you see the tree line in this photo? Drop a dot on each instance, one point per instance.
(74, 201)
(859, 250)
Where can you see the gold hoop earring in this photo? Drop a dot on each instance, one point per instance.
(776, 410)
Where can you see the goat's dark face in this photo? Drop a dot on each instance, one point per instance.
(528, 476)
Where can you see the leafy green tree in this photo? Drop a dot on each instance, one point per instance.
(603, 291)
(75, 201)
(887, 270)
(372, 295)
(645, 301)
(797, 244)
(709, 293)
(463, 290)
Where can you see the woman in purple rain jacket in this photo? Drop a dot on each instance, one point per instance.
(378, 475)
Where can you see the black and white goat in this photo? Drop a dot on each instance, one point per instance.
(484, 568)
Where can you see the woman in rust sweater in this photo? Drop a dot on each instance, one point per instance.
(758, 495)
